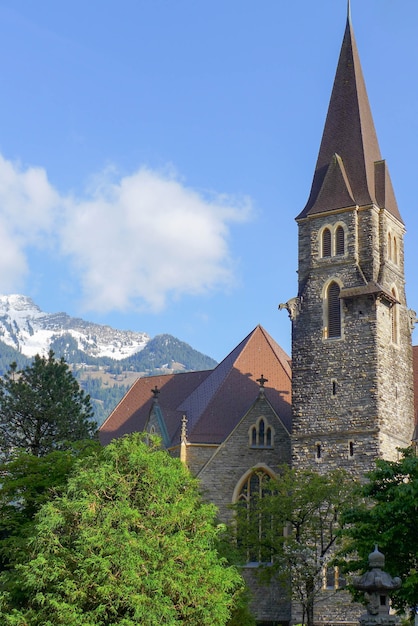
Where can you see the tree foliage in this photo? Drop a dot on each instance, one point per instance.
(387, 517)
(129, 541)
(42, 408)
(28, 482)
(297, 523)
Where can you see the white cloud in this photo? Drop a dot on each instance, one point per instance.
(148, 237)
(28, 203)
(134, 243)
(28, 208)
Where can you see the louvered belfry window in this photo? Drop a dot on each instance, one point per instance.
(339, 241)
(326, 242)
(334, 311)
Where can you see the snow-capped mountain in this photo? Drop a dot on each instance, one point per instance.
(26, 328)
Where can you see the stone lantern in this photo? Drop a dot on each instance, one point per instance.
(377, 586)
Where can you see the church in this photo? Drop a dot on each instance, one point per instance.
(346, 395)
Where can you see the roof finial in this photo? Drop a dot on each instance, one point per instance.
(261, 381)
(349, 11)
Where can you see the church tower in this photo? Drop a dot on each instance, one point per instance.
(352, 381)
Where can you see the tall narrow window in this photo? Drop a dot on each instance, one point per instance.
(253, 524)
(253, 436)
(340, 241)
(389, 246)
(261, 432)
(334, 311)
(394, 312)
(326, 242)
(395, 250)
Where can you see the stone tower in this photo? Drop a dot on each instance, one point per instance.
(352, 382)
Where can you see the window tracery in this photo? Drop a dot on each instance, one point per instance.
(332, 241)
(253, 523)
(261, 434)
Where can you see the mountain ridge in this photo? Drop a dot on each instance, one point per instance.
(28, 329)
(105, 361)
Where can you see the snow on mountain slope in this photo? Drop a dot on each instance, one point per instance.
(25, 327)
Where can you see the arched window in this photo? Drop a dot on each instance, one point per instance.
(389, 246)
(340, 241)
(326, 242)
(261, 434)
(334, 311)
(253, 437)
(254, 524)
(395, 250)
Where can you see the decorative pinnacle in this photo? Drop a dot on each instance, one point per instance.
(349, 11)
(184, 428)
(155, 392)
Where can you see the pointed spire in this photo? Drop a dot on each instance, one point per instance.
(350, 137)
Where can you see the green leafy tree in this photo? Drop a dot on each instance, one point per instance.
(42, 408)
(27, 482)
(128, 542)
(295, 527)
(387, 516)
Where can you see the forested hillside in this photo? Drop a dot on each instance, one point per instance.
(107, 380)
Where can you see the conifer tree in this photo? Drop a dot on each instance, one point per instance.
(42, 408)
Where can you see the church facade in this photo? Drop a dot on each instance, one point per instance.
(346, 397)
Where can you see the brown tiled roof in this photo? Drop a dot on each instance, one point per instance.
(349, 170)
(132, 412)
(218, 404)
(215, 400)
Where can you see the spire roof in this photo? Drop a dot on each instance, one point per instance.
(349, 170)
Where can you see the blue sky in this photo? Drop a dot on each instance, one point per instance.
(154, 154)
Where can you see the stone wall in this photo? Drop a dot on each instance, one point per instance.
(355, 390)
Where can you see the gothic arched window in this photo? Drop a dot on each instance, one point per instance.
(326, 242)
(333, 311)
(389, 246)
(340, 241)
(395, 251)
(254, 524)
(261, 434)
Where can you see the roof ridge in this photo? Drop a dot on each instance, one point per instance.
(195, 404)
(281, 354)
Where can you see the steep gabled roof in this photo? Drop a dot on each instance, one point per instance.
(217, 405)
(214, 401)
(349, 169)
(132, 412)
